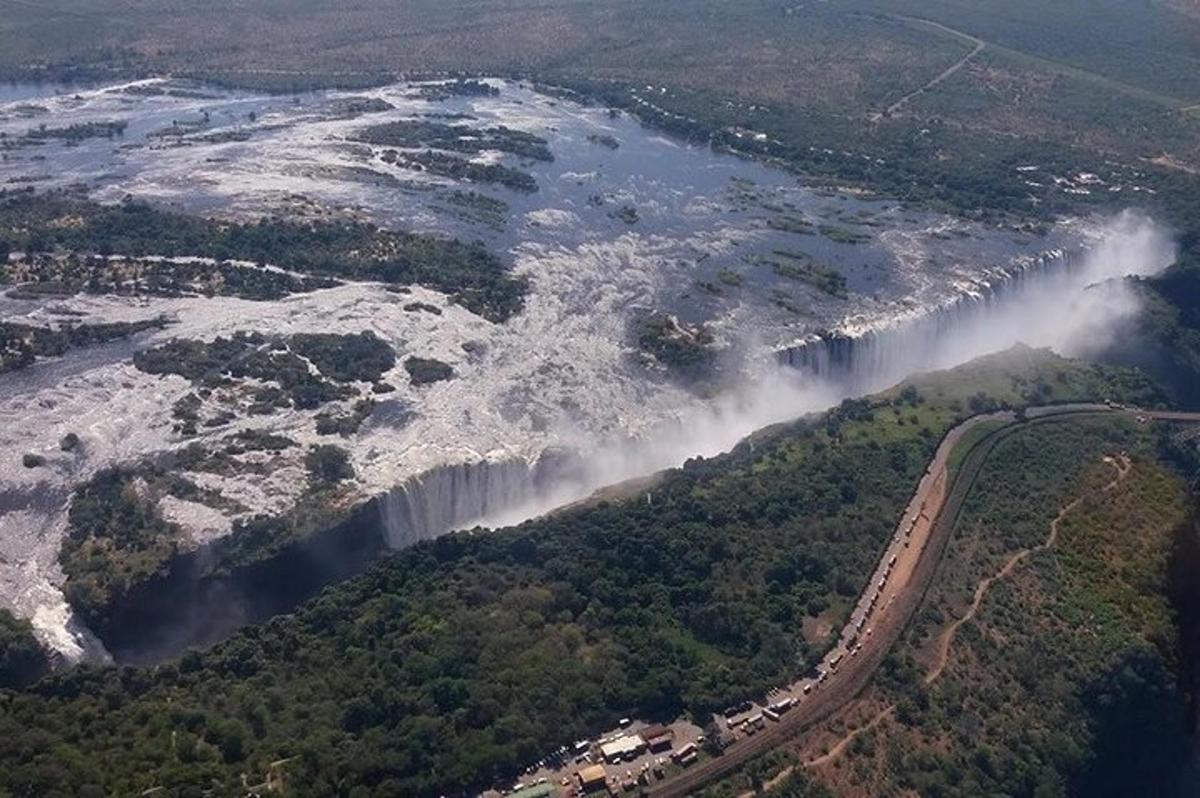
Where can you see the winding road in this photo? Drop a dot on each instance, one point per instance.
(927, 525)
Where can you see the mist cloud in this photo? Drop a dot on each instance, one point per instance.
(1073, 307)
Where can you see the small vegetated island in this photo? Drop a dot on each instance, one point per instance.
(51, 226)
(439, 148)
(455, 663)
(22, 345)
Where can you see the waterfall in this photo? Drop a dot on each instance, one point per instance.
(995, 316)
(1069, 301)
(460, 495)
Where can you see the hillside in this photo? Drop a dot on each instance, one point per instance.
(511, 643)
(1053, 656)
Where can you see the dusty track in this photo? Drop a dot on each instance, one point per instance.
(946, 639)
(940, 496)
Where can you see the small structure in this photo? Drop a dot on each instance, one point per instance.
(657, 737)
(591, 778)
(535, 791)
(621, 748)
(686, 755)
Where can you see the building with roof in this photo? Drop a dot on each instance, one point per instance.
(622, 748)
(591, 778)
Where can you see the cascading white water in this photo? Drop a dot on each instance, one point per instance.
(456, 496)
(1064, 301)
(866, 361)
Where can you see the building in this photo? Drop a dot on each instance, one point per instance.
(535, 791)
(591, 778)
(622, 748)
(657, 737)
(686, 755)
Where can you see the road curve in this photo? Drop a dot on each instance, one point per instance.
(938, 498)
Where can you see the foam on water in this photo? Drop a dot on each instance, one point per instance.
(562, 376)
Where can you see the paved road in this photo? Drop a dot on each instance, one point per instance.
(939, 497)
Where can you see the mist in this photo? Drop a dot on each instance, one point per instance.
(1073, 307)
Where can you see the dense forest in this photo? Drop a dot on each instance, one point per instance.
(459, 660)
(356, 251)
(1165, 337)
(55, 275)
(22, 659)
(117, 538)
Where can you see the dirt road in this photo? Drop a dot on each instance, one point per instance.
(926, 527)
(979, 44)
(946, 640)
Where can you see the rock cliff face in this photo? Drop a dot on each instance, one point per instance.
(877, 355)
(188, 605)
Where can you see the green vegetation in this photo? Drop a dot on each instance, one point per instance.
(245, 355)
(73, 134)
(472, 276)
(459, 660)
(412, 307)
(22, 658)
(22, 344)
(345, 358)
(457, 88)
(1066, 681)
(283, 363)
(804, 268)
(348, 423)
(476, 207)
(1165, 338)
(424, 133)
(791, 224)
(424, 370)
(458, 168)
(730, 277)
(116, 538)
(842, 235)
(680, 347)
(604, 140)
(328, 465)
(627, 214)
(55, 275)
